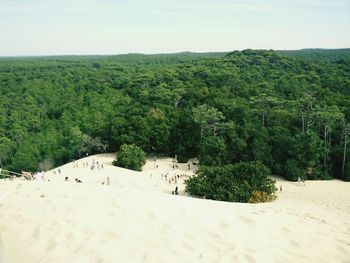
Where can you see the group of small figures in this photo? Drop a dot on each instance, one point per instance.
(174, 178)
(35, 176)
(76, 179)
(92, 166)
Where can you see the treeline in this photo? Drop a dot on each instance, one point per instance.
(290, 113)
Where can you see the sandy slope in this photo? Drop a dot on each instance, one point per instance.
(136, 220)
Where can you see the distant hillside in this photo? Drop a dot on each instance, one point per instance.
(320, 54)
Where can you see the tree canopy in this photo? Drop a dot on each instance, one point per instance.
(240, 182)
(289, 110)
(130, 157)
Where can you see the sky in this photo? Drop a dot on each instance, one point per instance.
(67, 27)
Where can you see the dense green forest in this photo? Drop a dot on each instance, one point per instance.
(288, 109)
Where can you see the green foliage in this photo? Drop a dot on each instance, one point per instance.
(261, 197)
(286, 109)
(347, 172)
(130, 157)
(208, 118)
(45, 165)
(234, 183)
(294, 171)
(307, 151)
(213, 151)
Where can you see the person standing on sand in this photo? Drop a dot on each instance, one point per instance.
(280, 188)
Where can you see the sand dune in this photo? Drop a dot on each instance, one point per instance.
(135, 219)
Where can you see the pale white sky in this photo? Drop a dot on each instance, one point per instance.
(48, 27)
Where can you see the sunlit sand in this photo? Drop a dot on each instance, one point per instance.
(136, 219)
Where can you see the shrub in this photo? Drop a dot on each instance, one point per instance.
(260, 197)
(130, 157)
(234, 183)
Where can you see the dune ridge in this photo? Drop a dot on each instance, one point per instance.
(136, 219)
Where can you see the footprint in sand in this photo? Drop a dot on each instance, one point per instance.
(36, 233)
(70, 236)
(250, 250)
(70, 222)
(249, 258)
(3, 227)
(294, 244)
(80, 247)
(99, 260)
(187, 246)
(118, 207)
(285, 230)
(50, 245)
(19, 218)
(151, 214)
(115, 204)
(342, 250)
(111, 235)
(213, 235)
(246, 220)
(224, 225)
(166, 225)
(87, 232)
(229, 256)
(144, 257)
(68, 209)
(112, 214)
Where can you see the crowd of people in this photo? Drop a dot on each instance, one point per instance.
(175, 174)
(33, 176)
(93, 165)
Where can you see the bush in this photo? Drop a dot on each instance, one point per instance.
(235, 183)
(260, 197)
(130, 157)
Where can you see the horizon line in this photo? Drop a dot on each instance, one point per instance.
(162, 53)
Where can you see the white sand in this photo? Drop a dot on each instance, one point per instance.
(137, 220)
